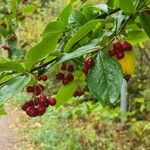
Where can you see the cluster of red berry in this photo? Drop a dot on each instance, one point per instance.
(87, 65)
(39, 102)
(65, 75)
(119, 48)
(37, 106)
(79, 92)
(6, 47)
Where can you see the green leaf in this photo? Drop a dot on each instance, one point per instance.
(110, 3)
(76, 19)
(2, 110)
(65, 93)
(2, 31)
(105, 78)
(11, 66)
(136, 36)
(64, 15)
(42, 50)
(54, 27)
(29, 9)
(145, 21)
(80, 52)
(12, 87)
(127, 6)
(90, 12)
(83, 31)
(5, 77)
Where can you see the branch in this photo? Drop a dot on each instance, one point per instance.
(44, 65)
(110, 13)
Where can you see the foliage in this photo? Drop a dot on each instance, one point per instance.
(89, 31)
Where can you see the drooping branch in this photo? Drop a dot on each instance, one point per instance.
(44, 65)
(104, 15)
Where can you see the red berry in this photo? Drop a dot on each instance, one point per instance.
(85, 70)
(63, 67)
(65, 81)
(41, 110)
(120, 55)
(44, 77)
(31, 111)
(52, 101)
(38, 90)
(116, 51)
(42, 100)
(26, 105)
(60, 76)
(6, 47)
(70, 68)
(70, 77)
(39, 78)
(88, 63)
(117, 46)
(78, 92)
(111, 53)
(30, 89)
(126, 46)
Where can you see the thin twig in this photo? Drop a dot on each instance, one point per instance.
(110, 13)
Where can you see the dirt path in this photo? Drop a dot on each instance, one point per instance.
(7, 136)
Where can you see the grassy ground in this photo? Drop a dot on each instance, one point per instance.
(81, 126)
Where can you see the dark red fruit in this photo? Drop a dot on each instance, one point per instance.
(111, 53)
(63, 67)
(70, 77)
(120, 55)
(60, 76)
(126, 46)
(30, 89)
(42, 99)
(32, 111)
(65, 81)
(78, 92)
(52, 101)
(116, 51)
(44, 77)
(6, 47)
(117, 46)
(70, 68)
(38, 90)
(88, 63)
(39, 78)
(85, 70)
(26, 105)
(41, 110)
